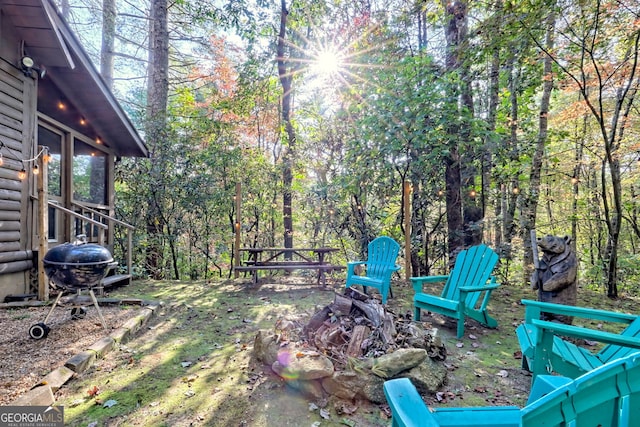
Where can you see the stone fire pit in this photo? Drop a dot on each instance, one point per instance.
(349, 348)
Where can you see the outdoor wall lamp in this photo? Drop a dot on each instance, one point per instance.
(27, 65)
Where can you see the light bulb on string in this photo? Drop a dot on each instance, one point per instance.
(22, 174)
(1, 160)
(35, 170)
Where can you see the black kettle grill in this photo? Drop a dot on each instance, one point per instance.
(74, 267)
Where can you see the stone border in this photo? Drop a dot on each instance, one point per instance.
(42, 394)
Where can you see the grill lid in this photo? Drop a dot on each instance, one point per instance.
(78, 254)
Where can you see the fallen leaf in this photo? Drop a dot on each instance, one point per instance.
(503, 373)
(459, 344)
(109, 403)
(472, 337)
(517, 354)
(189, 379)
(185, 364)
(93, 391)
(325, 414)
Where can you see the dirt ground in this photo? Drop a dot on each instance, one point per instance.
(24, 360)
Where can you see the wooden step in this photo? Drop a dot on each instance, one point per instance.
(119, 279)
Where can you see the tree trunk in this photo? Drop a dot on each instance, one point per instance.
(494, 99)
(286, 78)
(456, 12)
(108, 41)
(530, 204)
(157, 93)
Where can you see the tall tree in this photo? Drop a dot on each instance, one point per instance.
(455, 31)
(107, 51)
(155, 127)
(286, 78)
(530, 204)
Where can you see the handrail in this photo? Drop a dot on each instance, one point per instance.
(129, 227)
(77, 215)
(104, 216)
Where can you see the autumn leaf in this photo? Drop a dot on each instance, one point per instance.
(93, 391)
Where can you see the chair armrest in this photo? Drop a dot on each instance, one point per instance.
(545, 327)
(488, 287)
(417, 282)
(545, 384)
(351, 267)
(534, 308)
(356, 262)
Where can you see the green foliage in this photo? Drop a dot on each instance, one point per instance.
(390, 114)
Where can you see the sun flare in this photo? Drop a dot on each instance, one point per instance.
(326, 63)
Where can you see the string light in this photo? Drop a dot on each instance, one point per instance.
(35, 169)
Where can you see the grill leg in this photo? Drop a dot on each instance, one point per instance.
(53, 306)
(95, 303)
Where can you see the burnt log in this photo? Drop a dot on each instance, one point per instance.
(359, 334)
(341, 305)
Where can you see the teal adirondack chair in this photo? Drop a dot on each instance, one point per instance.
(543, 349)
(378, 268)
(606, 396)
(469, 280)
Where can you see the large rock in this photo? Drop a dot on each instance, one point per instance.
(350, 385)
(310, 388)
(265, 347)
(297, 365)
(391, 364)
(428, 376)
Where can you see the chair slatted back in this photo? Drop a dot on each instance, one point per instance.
(381, 253)
(472, 268)
(612, 351)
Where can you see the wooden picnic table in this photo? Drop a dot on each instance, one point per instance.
(288, 259)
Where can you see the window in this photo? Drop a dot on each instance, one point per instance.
(53, 141)
(89, 173)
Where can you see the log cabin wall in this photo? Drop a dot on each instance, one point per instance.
(18, 97)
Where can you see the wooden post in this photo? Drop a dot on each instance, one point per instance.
(43, 221)
(534, 252)
(407, 229)
(236, 249)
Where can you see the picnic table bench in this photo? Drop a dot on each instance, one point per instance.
(288, 259)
